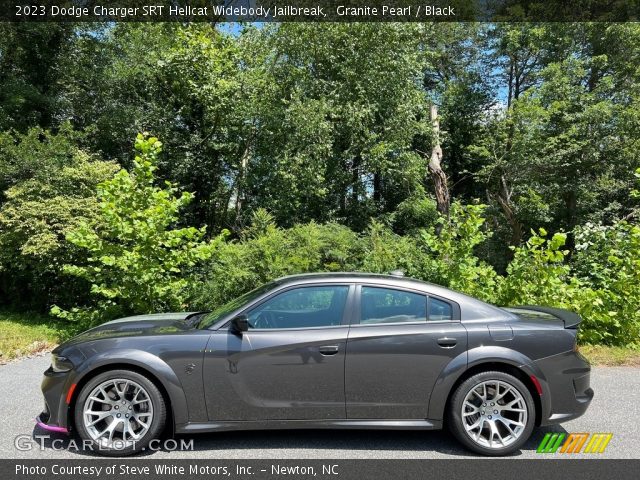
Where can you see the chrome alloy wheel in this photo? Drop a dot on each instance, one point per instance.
(117, 413)
(494, 414)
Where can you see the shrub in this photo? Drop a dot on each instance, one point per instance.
(37, 153)
(53, 192)
(452, 260)
(265, 252)
(137, 262)
(414, 213)
(385, 251)
(538, 273)
(608, 258)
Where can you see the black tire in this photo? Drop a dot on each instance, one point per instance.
(157, 423)
(456, 423)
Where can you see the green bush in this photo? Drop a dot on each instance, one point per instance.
(451, 247)
(136, 261)
(37, 153)
(539, 273)
(385, 251)
(53, 191)
(608, 259)
(126, 245)
(414, 213)
(265, 252)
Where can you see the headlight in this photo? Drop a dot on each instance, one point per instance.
(60, 364)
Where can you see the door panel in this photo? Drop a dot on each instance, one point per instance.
(276, 375)
(289, 365)
(391, 368)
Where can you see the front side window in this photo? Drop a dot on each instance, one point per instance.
(386, 305)
(303, 307)
(224, 310)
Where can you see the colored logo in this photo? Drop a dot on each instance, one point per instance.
(574, 443)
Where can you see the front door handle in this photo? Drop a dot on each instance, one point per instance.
(328, 350)
(447, 342)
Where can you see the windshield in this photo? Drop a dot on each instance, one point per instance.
(219, 313)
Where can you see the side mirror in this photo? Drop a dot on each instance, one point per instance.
(240, 323)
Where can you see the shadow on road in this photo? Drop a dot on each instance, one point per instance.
(317, 440)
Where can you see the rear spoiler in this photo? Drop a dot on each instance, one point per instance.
(570, 319)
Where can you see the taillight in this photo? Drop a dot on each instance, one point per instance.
(536, 384)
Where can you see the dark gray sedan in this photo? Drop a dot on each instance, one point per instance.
(344, 350)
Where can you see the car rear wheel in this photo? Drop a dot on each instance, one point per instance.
(492, 413)
(119, 412)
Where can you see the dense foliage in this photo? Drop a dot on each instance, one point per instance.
(135, 261)
(53, 191)
(302, 147)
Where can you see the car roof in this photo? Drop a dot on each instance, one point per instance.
(472, 308)
(386, 279)
(343, 275)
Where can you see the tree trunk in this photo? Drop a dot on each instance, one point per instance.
(571, 205)
(504, 200)
(377, 187)
(443, 199)
(355, 182)
(241, 181)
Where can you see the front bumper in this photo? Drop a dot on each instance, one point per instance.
(566, 391)
(55, 387)
(41, 422)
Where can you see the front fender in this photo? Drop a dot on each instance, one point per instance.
(476, 357)
(144, 361)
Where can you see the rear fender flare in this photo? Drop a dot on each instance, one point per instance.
(472, 358)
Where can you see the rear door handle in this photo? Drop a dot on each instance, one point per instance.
(328, 350)
(447, 342)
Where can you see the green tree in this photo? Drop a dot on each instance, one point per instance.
(191, 84)
(558, 153)
(36, 153)
(136, 261)
(38, 213)
(343, 106)
(452, 258)
(31, 80)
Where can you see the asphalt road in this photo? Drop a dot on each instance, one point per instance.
(615, 408)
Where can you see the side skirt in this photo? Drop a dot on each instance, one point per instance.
(310, 424)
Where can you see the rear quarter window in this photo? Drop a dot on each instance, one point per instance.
(439, 310)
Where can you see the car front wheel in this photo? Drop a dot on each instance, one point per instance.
(119, 412)
(492, 413)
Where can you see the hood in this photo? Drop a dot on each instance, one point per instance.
(136, 326)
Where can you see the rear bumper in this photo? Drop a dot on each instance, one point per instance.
(567, 392)
(581, 405)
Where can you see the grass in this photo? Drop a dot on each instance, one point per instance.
(23, 334)
(611, 356)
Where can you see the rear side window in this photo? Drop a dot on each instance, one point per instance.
(386, 305)
(439, 310)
